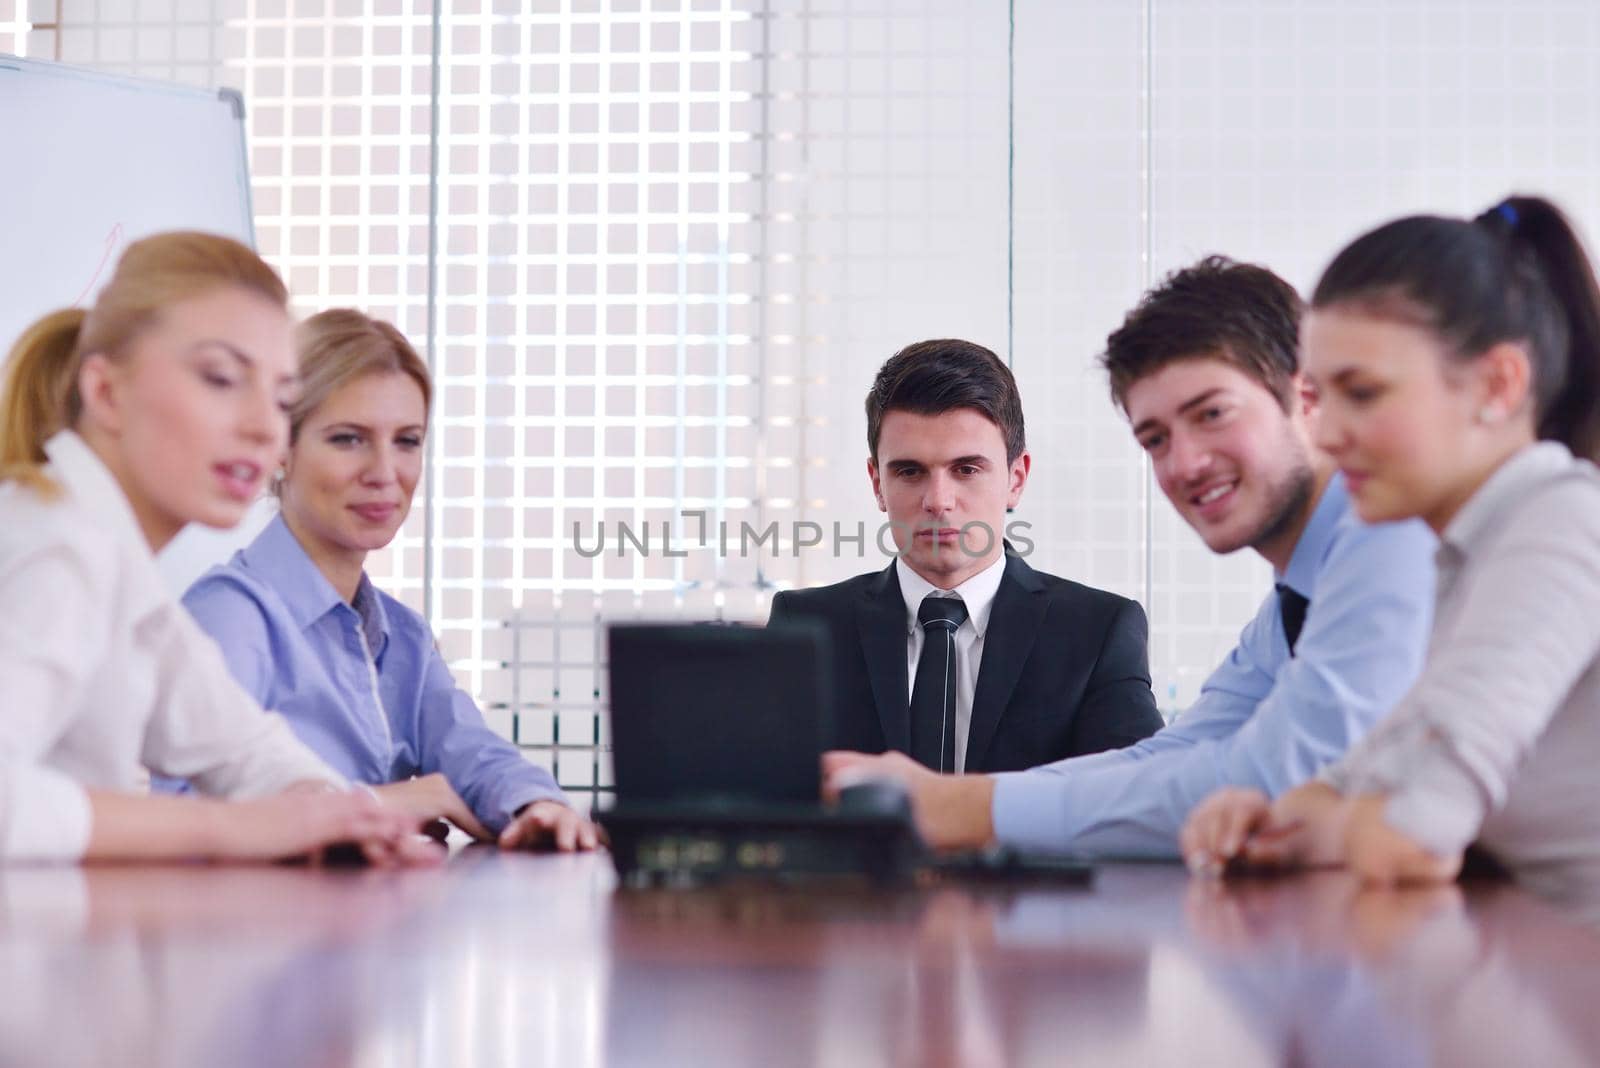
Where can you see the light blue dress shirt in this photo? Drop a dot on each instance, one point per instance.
(1263, 719)
(302, 651)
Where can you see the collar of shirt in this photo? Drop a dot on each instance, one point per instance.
(277, 556)
(977, 593)
(374, 620)
(1530, 468)
(1306, 560)
(93, 487)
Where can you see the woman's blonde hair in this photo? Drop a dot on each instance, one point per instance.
(40, 395)
(341, 345)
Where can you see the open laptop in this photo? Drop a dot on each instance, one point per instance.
(717, 737)
(718, 714)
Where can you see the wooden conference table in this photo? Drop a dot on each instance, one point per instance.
(517, 959)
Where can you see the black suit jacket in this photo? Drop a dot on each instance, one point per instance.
(1064, 669)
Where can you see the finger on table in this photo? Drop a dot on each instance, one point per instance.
(1198, 839)
(1278, 851)
(1241, 818)
(523, 832)
(418, 851)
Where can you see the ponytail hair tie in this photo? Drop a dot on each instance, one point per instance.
(1507, 211)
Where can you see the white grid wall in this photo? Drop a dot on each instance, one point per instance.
(174, 40)
(1081, 260)
(884, 222)
(16, 26)
(596, 363)
(338, 103)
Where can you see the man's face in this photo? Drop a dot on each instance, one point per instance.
(945, 484)
(1234, 464)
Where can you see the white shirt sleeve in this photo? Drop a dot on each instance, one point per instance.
(207, 729)
(51, 634)
(1523, 632)
(46, 814)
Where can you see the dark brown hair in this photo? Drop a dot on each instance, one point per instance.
(1219, 308)
(1516, 273)
(932, 377)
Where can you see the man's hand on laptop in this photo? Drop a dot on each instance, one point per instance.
(952, 811)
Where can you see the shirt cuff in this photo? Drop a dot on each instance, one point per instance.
(1439, 808)
(1338, 776)
(518, 799)
(1384, 761)
(47, 817)
(1028, 811)
(1432, 797)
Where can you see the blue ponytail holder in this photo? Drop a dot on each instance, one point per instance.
(1507, 211)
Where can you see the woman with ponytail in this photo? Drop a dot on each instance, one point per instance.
(1458, 364)
(161, 405)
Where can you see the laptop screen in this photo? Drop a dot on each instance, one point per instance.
(710, 711)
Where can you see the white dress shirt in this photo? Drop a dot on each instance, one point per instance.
(977, 593)
(103, 674)
(1499, 739)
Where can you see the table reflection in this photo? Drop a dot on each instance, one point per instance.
(189, 965)
(835, 976)
(1331, 972)
(516, 959)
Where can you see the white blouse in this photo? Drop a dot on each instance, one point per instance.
(1499, 740)
(104, 675)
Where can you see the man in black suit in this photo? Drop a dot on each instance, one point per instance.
(959, 653)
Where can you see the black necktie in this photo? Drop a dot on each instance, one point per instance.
(933, 694)
(1292, 610)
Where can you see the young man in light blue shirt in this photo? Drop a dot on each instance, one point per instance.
(1206, 368)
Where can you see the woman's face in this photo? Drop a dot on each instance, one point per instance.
(196, 409)
(1397, 415)
(350, 474)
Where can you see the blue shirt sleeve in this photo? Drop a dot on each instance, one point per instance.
(1226, 700)
(489, 772)
(1262, 719)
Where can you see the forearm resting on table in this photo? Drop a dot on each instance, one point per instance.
(957, 811)
(295, 823)
(154, 827)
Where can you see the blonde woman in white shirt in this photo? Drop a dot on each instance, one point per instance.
(1458, 364)
(160, 405)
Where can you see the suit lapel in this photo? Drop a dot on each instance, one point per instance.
(1014, 621)
(881, 619)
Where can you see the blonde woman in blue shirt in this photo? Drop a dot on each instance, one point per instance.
(158, 406)
(355, 672)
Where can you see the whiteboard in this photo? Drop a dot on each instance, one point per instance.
(93, 161)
